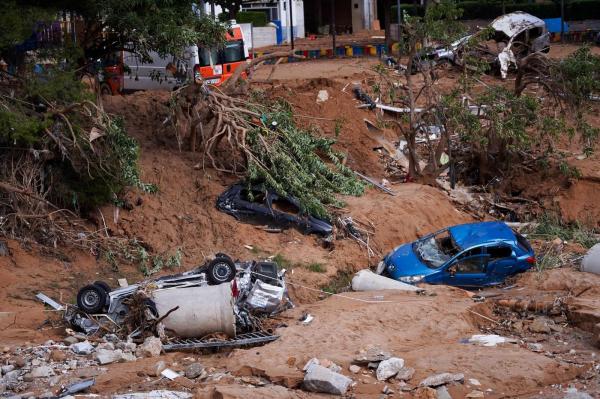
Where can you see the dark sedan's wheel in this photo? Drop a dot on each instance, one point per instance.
(220, 270)
(103, 285)
(91, 299)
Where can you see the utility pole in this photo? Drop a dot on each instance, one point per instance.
(291, 24)
(333, 24)
(399, 12)
(562, 21)
(212, 9)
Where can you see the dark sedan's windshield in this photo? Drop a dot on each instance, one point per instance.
(436, 250)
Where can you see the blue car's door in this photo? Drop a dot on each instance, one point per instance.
(468, 270)
(502, 262)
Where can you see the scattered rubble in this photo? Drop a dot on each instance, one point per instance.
(441, 379)
(321, 379)
(389, 368)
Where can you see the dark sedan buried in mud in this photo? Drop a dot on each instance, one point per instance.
(470, 255)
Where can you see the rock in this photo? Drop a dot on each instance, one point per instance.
(57, 356)
(70, 340)
(386, 390)
(11, 377)
(19, 362)
(42, 372)
(331, 365)
(441, 379)
(157, 369)
(126, 346)
(82, 348)
(128, 357)
(308, 364)
(539, 325)
(5, 349)
(106, 345)
(7, 369)
(475, 394)
(321, 379)
(373, 354)
(28, 377)
(105, 356)
(389, 368)
(111, 338)
(442, 393)
(535, 347)
(152, 347)
(194, 370)
(405, 374)
(475, 382)
(354, 369)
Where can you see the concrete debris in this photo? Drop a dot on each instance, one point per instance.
(106, 356)
(70, 340)
(373, 354)
(194, 371)
(42, 372)
(81, 348)
(152, 347)
(405, 374)
(442, 392)
(311, 362)
(591, 261)
(441, 379)
(475, 394)
(330, 365)
(323, 380)
(389, 368)
(366, 280)
(158, 368)
(475, 382)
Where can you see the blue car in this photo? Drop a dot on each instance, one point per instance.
(469, 255)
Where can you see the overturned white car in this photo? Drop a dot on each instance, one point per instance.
(515, 36)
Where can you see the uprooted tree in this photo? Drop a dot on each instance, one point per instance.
(255, 137)
(490, 127)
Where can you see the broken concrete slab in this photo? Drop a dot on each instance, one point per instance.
(441, 379)
(106, 356)
(372, 354)
(389, 368)
(152, 347)
(321, 379)
(81, 348)
(405, 374)
(42, 372)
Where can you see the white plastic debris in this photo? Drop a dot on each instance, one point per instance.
(488, 339)
(170, 374)
(308, 319)
(322, 96)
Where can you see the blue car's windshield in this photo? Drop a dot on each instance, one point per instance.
(436, 250)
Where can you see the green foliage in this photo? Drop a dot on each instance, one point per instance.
(18, 21)
(282, 262)
(340, 283)
(16, 128)
(257, 18)
(568, 170)
(550, 227)
(290, 160)
(317, 267)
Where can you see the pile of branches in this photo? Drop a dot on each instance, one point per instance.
(256, 138)
(61, 155)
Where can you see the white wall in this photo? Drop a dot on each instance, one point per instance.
(297, 14)
(265, 36)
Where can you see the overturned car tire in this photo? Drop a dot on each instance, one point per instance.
(103, 285)
(91, 299)
(220, 270)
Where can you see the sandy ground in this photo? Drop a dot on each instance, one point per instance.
(426, 330)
